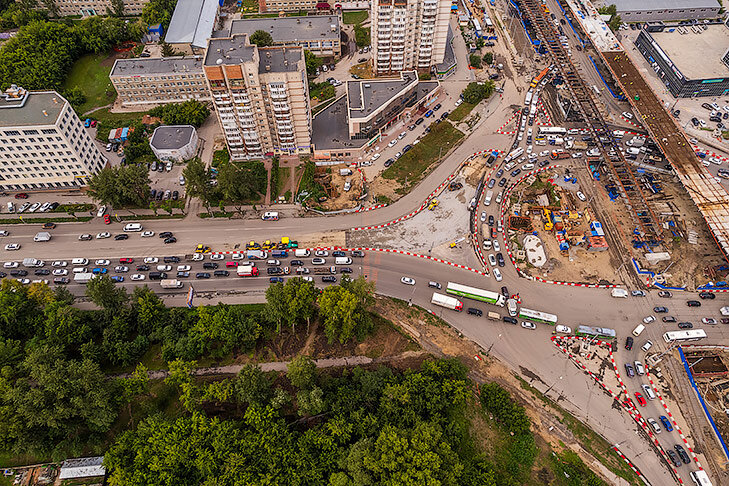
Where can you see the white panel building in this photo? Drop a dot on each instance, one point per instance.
(174, 142)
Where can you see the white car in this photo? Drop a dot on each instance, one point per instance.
(164, 268)
(183, 268)
(497, 247)
(24, 281)
(34, 207)
(101, 211)
(45, 207)
(459, 101)
(581, 196)
(147, 234)
(60, 272)
(308, 278)
(544, 153)
(198, 257)
(562, 329)
(627, 115)
(103, 235)
(528, 325)
(217, 256)
(577, 155)
(483, 216)
(376, 156)
(318, 261)
(102, 263)
(497, 275)
(407, 280)
(321, 253)
(84, 237)
(12, 246)
(137, 277)
(402, 135)
(654, 425)
(4, 233)
(10, 265)
(527, 167)
(59, 263)
(121, 269)
(181, 180)
(492, 259)
(234, 256)
(708, 320)
(392, 142)
(649, 319)
(151, 260)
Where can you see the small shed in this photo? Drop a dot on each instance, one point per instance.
(83, 467)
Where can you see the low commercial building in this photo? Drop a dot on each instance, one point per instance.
(319, 34)
(154, 81)
(349, 126)
(86, 8)
(192, 24)
(174, 142)
(661, 10)
(84, 467)
(690, 62)
(43, 143)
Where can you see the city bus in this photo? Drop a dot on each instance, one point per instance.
(537, 316)
(690, 335)
(552, 131)
(596, 332)
(476, 294)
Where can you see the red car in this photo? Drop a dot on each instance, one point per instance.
(640, 399)
(107, 219)
(21, 195)
(93, 123)
(126, 260)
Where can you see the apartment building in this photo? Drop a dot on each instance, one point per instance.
(43, 144)
(409, 34)
(319, 34)
(261, 97)
(86, 8)
(288, 5)
(154, 81)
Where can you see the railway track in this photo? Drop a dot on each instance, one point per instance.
(622, 172)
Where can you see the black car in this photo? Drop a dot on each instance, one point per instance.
(665, 294)
(682, 454)
(389, 162)
(510, 320)
(419, 121)
(157, 275)
(502, 182)
(329, 278)
(221, 273)
(505, 292)
(18, 273)
(668, 319)
(358, 253)
(3, 274)
(500, 259)
(628, 343)
(54, 206)
(338, 253)
(171, 259)
(491, 219)
(406, 148)
(673, 457)
(276, 280)
(345, 270)
(491, 184)
(685, 325)
(475, 312)
(695, 121)
(515, 173)
(499, 173)
(544, 163)
(274, 270)
(210, 265)
(437, 107)
(629, 370)
(707, 295)
(175, 195)
(160, 193)
(61, 280)
(152, 193)
(121, 237)
(660, 310)
(169, 240)
(297, 263)
(165, 234)
(693, 303)
(183, 274)
(42, 271)
(202, 275)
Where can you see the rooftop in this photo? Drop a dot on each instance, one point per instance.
(30, 108)
(291, 29)
(279, 59)
(156, 65)
(330, 128)
(368, 95)
(85, 467)
(697, 56)
(647, 5)
(172, 137)
(449, 60)
(229, 50)
(192, 22)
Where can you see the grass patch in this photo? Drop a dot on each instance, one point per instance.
(131, 217)
(461, 112)
(572, 471)
(363, 70)
(322, 105)
(321, 91)
(88, 74)
(216, 214)
(412, 166)
(108, 120)
(220, 157)
(74, 208)
(69, 219)
(355, 17)
(282, 180)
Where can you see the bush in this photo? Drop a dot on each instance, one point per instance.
(475, 60)
(476, 92)
(488, 58)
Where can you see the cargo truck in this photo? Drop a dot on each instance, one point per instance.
(170, 284)
(447, 302)
(559, 155)
(247, 271)
(83, 277)
(32, 263)
(42, 236)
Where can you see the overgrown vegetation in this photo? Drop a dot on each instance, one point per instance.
(321, 91)
(461, 112)
(238, 183)
(190, 112)
(475, 92)
(87, 85)
(354, 17)
(308, 187)
(615, 20)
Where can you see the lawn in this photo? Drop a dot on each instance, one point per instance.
(355, 17)
(88, 74)
(108, 120)
(461, 112)
(282, 180)
(410, 168)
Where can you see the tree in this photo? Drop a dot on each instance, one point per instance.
(242, 182)
(117, 7)
(311, 401)
(261, 38)
(475, 60)
(180, 374)
(121, 186)
(169, 51)
(277, 305)
(134, 385)
(158, 12)
(476, 92)
(103, 292)
(190, 112)
(198, 181)
(312, 63)
(251, 386)
(488, 58)
(76, 97)
(302, 372)
(344, 312)
(300, 297)
(151, 311)
(361, 36)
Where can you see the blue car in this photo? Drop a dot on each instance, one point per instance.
(428, 113)
(276, 279)
(99, 271)
(87, 123)
(117, 278)
(666, 423)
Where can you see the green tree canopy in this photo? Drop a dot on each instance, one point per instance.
(261, 38)
(121, 186)
(476, 92)
(190, 112)
(106, 294)
(312, 63)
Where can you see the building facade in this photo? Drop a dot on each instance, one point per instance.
(661, 10)
(408, 34)
(87, 8)
(155, 81)
(261, 97)
(43, 143)
(174, 142)
(319, 34)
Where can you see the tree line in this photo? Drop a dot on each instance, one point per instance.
(231, 182)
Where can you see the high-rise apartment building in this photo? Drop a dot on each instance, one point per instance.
(408, 34)
(261, 97)
(43, 143)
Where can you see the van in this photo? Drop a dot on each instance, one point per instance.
(494, 316)
(342, 261)
(511, 306)
(302, 253)
(647, 346)
(700, 478)
(157, 275)
(274, 263)
(486, 245)
(619, 293)
(270, 216)
(11, 207)
(133, 227)
(79, 261)
(639, 329)
(487, 200)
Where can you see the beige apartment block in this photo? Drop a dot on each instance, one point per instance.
(43, 143)
(155, 81)
(261, 97)
(408, 34)
(287, 5)
(86, 8)
(319, 34)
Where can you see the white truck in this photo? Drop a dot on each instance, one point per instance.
(42, 236)
(83, 277)
(447, 302)
(33, 263)
(170, 284)
(487, 199)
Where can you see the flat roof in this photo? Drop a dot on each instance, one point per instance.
(279, 59)
(192, 22)
(229, 50)
(38, 108)
(449, 59)
(84, 467)
(330, 128)
(171, 137)
(367, 95)
(697, 56)
(156, 65)
(291, 29)
(648, 5)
